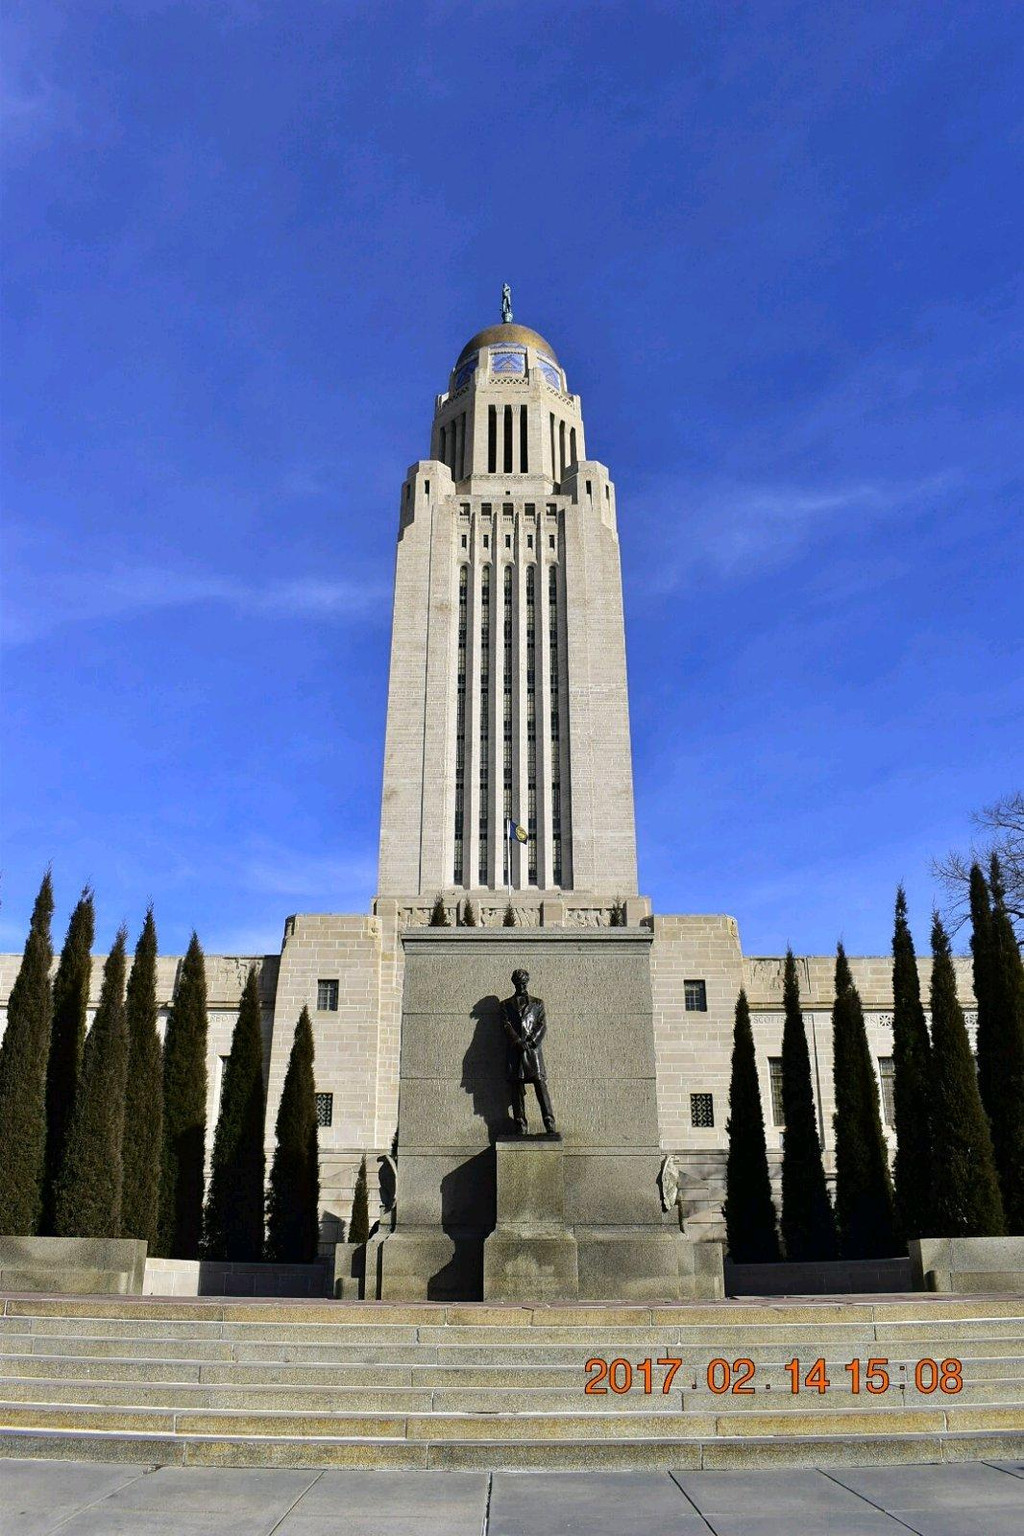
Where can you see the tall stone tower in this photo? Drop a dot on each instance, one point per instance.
(507, 698)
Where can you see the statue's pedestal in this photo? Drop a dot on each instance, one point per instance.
(530, 1255)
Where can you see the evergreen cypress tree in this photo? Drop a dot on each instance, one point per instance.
(23, 1055)
(808, 1223)
(184, 1114)
(67, 1042)
(967, 1201)
(864, 1206)
(87, 1200)
(912, 1087)
(233, 1219)
(749, 1212)
(438, 913)
(509, 920)
(359, 1226)
(293, 1198)
(143, 1105)
(999, 989)
(468, 914)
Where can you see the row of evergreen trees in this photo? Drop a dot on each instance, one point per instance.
(104, 1132)
(959, 1164)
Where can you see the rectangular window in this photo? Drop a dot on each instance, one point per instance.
(885, 1077)
(465, 540)
(327, 997)
(775, 1078)
(702, 1111)
(695, 997)
(324, 1108)
(551, 541)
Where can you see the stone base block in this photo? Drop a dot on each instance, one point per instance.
(523, 1266)
(429, 1266)
(73, 1265)
(968, 1264)
(638, 1264)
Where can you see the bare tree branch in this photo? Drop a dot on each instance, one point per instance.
(1002, 826)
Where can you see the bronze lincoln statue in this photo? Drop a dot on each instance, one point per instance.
(526, 1025)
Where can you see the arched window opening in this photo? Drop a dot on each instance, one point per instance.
(508, 440)
(492, 439)
(524, 456)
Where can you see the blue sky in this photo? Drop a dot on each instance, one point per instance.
(777, 247)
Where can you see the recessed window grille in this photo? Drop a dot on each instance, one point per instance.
(775, 1078)
(327, 996)
(886, 1078)
(695, 997)
(702, 1111)
(324, 1108)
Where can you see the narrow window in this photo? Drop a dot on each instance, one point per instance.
(485, 716)
(508, 541)
(695, 996)
(509, 595)
(524, 462)
(327, 997)
(508, 439)
(492, 439)
(442, 444)
(324, 1108)
(465, 541)
(572, 448)
(775, 1079)
(426, 487)
(554, 463)
(551, 541)
(886, 1078)
(590, 488)
(702, 1111)
(561, 448)
(556, 746)
(460, 724)
(531, 721)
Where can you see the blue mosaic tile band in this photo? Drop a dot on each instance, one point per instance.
(508, 362)
(465, 373)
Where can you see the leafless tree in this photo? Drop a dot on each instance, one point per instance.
(1000, 831)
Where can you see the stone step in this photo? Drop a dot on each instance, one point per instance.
(550, 1455)
(513, 1427)
(525, 1397)
(901, 1308)
(325, 1339)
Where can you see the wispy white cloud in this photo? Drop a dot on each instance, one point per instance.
(282, 872)
(728, 531)
(38, 606)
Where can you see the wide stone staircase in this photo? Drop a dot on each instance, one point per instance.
(322, 1384)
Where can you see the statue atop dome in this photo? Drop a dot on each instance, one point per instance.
(506, 303)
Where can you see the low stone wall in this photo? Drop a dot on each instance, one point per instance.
(77, 1266)
(968, 1264)
(844, 1277)
(209, 1277)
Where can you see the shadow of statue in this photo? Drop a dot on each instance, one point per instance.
(468, 1195)
(483, 1067)
(468, 1201)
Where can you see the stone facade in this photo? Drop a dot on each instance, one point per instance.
(357, 1043)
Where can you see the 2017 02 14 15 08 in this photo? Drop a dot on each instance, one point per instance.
(874, 1375)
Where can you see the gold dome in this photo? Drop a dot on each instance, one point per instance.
(508, 334)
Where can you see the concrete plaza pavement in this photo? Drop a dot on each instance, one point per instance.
(64, 1498)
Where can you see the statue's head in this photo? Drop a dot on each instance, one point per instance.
(520, 980)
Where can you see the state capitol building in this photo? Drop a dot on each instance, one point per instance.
(507, 780)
